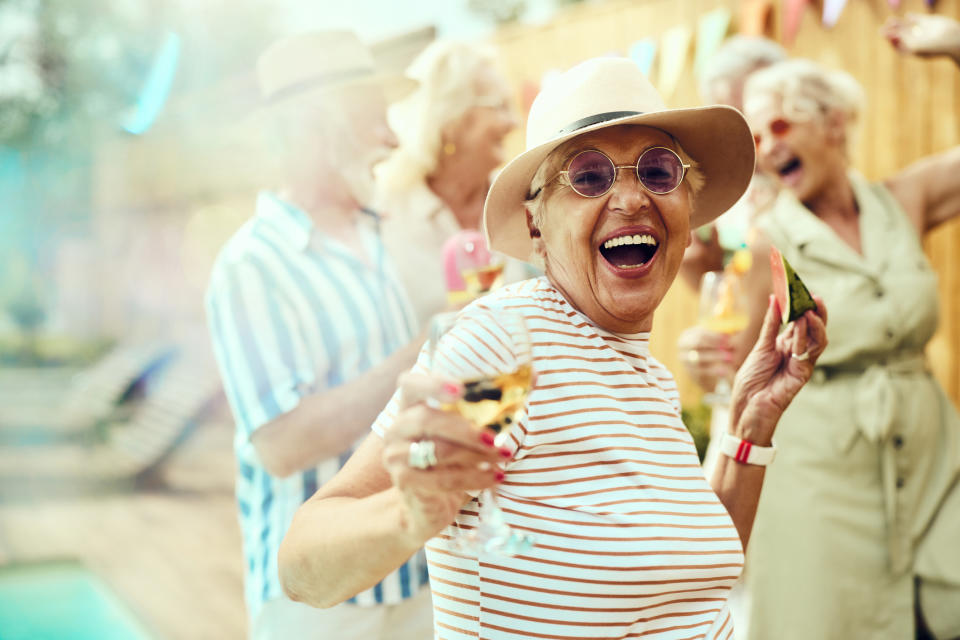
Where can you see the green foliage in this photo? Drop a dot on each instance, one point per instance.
(697, 420)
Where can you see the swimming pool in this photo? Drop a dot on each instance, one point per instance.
(62, 600)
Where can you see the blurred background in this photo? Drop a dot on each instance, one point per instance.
(130, 151)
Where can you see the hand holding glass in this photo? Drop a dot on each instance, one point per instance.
(490, 353)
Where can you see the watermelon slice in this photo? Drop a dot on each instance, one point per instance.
(793, 297)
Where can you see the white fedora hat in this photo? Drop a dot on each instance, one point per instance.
(322, 60)
(603, 92)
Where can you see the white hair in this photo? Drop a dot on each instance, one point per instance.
(447, 72)
(736, 59)
(807, 90)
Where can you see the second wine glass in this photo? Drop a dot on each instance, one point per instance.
(722, 310)
(490, 353)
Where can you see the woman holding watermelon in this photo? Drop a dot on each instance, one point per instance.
(856, 533)
(631, 540)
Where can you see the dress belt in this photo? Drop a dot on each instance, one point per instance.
(875, 402)
(875, 397)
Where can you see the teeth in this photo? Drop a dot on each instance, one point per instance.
(634, 239)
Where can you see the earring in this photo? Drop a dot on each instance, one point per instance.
(449, 148)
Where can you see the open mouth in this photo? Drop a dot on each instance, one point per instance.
(629, 251)
(789, 168)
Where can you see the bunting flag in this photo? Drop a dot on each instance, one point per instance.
(642, 53)
(792, 15)
(931, 3)
(156, 87)
(674, 46)
(711, 30)
(831, 12)
(755, 16)
(895, 4)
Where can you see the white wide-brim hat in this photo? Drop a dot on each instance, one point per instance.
(605, 92)
(322, 61)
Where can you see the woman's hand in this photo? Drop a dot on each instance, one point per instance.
(775, 370)
(924, 35)
(465, 459)
(707, 356)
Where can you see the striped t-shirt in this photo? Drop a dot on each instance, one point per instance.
(631, 541)
(292, 312)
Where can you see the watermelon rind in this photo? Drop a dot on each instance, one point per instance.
(792, 295)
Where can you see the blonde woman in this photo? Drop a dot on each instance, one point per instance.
(856, 530)
(451, 132)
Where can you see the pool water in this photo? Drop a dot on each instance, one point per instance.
(62, 601)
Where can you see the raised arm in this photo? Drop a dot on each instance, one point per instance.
(925, 35)
(929, 190)
(763, 388)
(378, 510)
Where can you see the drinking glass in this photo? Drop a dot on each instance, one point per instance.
(490, 353)
(723, 310)
(470, 269)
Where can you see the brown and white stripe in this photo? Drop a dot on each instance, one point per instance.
(631, 540)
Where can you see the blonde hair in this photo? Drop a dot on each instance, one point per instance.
(447, 72)
(736, 59)
(807, 91)
(537, 195)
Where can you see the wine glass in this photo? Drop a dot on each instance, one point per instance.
(722, 310)
(490, 353)
(470, 269)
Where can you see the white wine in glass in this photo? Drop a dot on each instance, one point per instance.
(723, 309)
(490, 353)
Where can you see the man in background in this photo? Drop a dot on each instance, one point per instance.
(311, 327)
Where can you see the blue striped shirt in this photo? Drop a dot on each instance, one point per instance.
(292, 312)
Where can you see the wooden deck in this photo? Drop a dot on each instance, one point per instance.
(170, 551)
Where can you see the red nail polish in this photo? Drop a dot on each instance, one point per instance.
(452, 388)
(500, 476)
(506, 453)
(487, 438)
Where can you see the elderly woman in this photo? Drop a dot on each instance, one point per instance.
(451, 132)
(631, 538)
(857, 529)
(722, 82)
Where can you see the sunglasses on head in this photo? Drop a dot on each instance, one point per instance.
(778, 127)
(591, 173)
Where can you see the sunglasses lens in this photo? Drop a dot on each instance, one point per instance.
(660, 170)
(591, 173)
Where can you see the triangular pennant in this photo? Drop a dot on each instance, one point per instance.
(895, 4)
(642, 53)
(831, 12)
(931, 3)
(675, 44)
(792, 15)
(754, 17)
(711, 30)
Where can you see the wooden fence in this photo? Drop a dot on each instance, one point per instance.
(913, 109)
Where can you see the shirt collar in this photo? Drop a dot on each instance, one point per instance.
(293, 223)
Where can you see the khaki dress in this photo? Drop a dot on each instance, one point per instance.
(862, 498)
